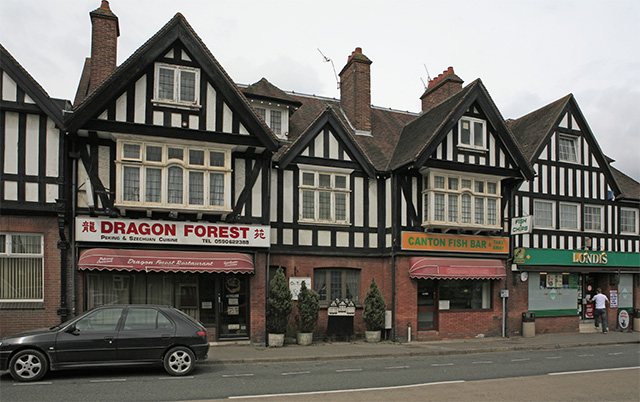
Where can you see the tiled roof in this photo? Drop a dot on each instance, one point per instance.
(265, 90)
(630, 188)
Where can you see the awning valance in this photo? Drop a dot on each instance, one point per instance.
(165, 261)
(456, 268)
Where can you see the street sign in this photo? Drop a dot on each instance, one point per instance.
(521, 225)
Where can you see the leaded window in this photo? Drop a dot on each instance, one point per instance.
(324, 196)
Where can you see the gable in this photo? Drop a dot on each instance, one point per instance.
(173, 82)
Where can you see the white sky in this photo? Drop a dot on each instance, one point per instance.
(528, 53)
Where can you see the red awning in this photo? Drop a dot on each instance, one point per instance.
(165, 261)
(456, 268)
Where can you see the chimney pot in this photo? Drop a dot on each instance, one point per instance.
(104, 44)
(437, 93)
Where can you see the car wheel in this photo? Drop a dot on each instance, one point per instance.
(179, 361)
(28, 365)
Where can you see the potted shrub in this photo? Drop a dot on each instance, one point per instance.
(374, 309)
(307, 317)
(279, 305)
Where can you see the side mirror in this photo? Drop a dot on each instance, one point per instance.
(71, 329)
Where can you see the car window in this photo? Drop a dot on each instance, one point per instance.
(145, 318)
(100, 320)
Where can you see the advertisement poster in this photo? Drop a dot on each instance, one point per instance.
(613, 298)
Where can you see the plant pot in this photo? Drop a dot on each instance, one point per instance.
(373, 336)
(276, 340)
(304, 338)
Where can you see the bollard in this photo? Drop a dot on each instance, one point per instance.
(528, 324)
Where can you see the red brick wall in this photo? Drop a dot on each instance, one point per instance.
(18, 317)
(355, 90)
(104, 44)
(258, 286)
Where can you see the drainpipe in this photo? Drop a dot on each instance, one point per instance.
(63, 245)
(75, 156)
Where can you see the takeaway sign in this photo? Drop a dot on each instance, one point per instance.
(130, 231)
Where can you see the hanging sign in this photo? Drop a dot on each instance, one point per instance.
(521, 225)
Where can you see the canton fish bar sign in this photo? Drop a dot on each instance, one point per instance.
(167, 232)
(442, 242)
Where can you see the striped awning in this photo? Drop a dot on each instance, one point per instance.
(456, 268)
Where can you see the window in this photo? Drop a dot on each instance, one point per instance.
(177, 84)
(337, 283)
(324, 196)
(543, 214)
(629, 221)
(465, 294)
(21, 267)
(274, 119)
(568, 148)
(471, 133)
(101, 320)
(568, 216)
(592, 218)
(173, 176)
(454, 200)
(145, 318)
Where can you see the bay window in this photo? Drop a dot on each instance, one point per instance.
(21, 267)
(456, 200)
(173, 176)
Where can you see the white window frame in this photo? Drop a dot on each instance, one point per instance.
(576, 145)
(7, 252)
(164, 165)
(316, 188)
(478, 190)
(577, 220)
(635, 219)
(472, 135)
(268, 108)
(599, 224)
(537, 223)
(175, 100)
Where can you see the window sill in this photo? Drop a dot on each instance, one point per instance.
(21, 305)
(177, 105)
(316, 223)
(473, 149)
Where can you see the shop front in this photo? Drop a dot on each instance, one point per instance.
(212, 286)
(560, 285)
(457, 280)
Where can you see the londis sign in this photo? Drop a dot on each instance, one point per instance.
(539, 256)
(590, 258)
(167, 232)
(442, 242)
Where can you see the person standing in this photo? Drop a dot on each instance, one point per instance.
(601, 309)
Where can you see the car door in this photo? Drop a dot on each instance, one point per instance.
(145, 335)
(91, 339)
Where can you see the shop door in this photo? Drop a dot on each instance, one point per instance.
(588, 290)
(427, 304)
(233, 310)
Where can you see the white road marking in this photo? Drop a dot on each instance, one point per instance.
(347, 390)
(396, 367)
(175, 378)
(297, 373)
(595, 370)
(441, 364)
(615, 354)
(520, 360)
(587, 355)
(345, 370)
(112, 380)
(554, 357)
(483, 362)
(32, 383)
(237, 375)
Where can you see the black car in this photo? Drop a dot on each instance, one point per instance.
(108, 335)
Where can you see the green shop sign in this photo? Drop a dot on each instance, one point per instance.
(540, 256)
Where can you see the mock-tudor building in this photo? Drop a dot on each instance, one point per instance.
(174, 185)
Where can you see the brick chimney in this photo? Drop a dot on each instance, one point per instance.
(355, 90)
(441, 88)
(104, 44)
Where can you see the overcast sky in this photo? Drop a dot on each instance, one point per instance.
(527, 53)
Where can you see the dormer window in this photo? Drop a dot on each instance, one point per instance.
(275, 115)
(176, 85)
(472, 133)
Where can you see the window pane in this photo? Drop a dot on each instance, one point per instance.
(320, 283)
(438, 182)
(141, 319)
(352, 285)
(131, 151)
(324, 201)
(336, 285)
(196, 188)
(154, 154)
(479, 186)
(453, 183)
(479, 211)
(174, 187)
(592, 218)
(341, 207)
(341, 181)
(165, 83)
(154, 185)
(262, 113)
(324, 180)
(453, 208)
(176, 153)
(543, 214)
(308, 204)
(196, 157)
(492, 212)
(216, 159)
(308, 179)
(26, 244)
(567, 149)
(276, 121)
(627, 221)
(438, 207)
(216, 189)
(3, 243)
(478, 134)
(568, 216)
(131, 184)
(465, 294)
(426, 207)
(466, 183)
(492, 188)
(187, 86)
(21, 278)
(466, 208)
(465, 132)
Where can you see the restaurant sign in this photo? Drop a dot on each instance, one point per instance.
(128, 231)
(442, 242)
(536, 256)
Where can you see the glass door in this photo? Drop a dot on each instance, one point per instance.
(588, 290)
(233, 310)
(427, 304)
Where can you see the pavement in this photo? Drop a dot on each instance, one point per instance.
(244, 352)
